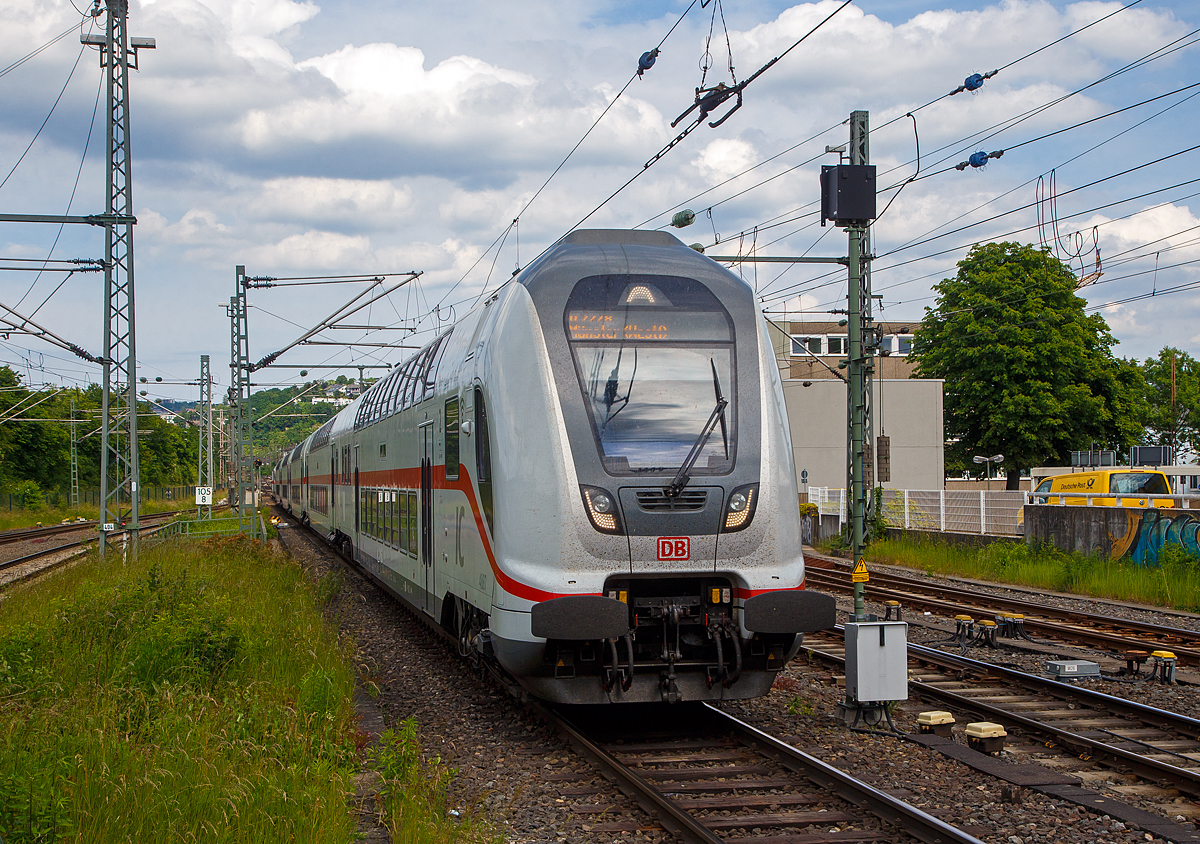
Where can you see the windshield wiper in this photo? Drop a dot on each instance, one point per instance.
(682, 477)
(720, 398)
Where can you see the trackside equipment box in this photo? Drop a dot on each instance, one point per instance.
(877, 661)
(1072, 669)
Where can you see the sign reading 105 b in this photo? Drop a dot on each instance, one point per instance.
(204, 495)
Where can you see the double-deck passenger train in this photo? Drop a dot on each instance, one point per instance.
(588, 480)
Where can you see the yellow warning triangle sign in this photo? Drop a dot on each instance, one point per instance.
(860, 575)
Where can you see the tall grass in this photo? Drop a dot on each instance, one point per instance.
(47, 515)
(1175, 582)
(194, 693)
(414, 795)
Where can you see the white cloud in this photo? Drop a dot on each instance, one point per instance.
(724, 157)
(313, 250)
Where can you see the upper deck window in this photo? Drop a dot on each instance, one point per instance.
(653, 354)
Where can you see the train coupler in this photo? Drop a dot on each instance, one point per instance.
(668, 687)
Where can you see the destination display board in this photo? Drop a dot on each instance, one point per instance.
(638, 325)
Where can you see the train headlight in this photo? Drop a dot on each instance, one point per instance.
(739, 509)
(601, 509)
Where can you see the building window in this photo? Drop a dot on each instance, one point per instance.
(804, 346)
(837, 346)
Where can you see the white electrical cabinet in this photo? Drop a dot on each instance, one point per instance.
(877, 661)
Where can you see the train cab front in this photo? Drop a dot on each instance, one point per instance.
(673, 411)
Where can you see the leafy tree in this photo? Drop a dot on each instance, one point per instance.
(1028, 373)
(1173, 400)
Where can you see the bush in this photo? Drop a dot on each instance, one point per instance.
(30, 496)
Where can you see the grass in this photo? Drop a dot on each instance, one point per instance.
(193, 694)
(27, 518)
(414, 795)
(1174, 583)
(47, 515)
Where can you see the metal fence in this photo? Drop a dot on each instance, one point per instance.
(985, 512)
(991, 513)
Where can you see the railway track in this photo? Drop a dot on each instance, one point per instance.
(1095, 630)
(25, 534)
(709, 777)
(81, 546)
(1068, 728)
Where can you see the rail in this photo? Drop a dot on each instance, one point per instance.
(664, 804)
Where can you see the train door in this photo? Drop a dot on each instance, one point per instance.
(357, 502)
(427, 513)
(333, 480)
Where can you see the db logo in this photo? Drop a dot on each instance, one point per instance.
(674, 548)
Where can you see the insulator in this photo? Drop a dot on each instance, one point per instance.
(973, 82)
(647, 61)
(978, 159)
(683, 219)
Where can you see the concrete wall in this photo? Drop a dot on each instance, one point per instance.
(1133, 534)
(908, 410)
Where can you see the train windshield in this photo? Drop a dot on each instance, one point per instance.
(653, 355)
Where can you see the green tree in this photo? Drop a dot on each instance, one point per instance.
(1173, 400)
(1028, 373)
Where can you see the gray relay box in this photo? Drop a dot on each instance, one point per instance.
(877, 661)
(1071, 669)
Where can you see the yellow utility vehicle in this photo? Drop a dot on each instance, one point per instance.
(1136, 488)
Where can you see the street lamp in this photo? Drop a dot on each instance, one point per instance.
(995, 458)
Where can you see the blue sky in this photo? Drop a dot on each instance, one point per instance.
(313, 138)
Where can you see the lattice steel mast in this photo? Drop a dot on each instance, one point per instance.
(74, 459)
(239, 401)
(204, 459)
(118, 434)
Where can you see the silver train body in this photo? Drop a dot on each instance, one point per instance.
(587, 479)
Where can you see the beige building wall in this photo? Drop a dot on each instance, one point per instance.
(908, 410)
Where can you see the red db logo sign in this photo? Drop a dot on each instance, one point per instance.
(674, 548)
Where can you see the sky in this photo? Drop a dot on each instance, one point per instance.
(368, 138)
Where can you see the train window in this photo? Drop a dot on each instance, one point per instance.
(452, 437)
(389, 400)
(653, 354)
(483, 459)
(439, 350)
(403, 505)
(393, 508)
(406, 388)
(412, 524)
(419, 385)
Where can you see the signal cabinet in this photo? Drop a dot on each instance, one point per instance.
(877, 661)
(848, 193)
